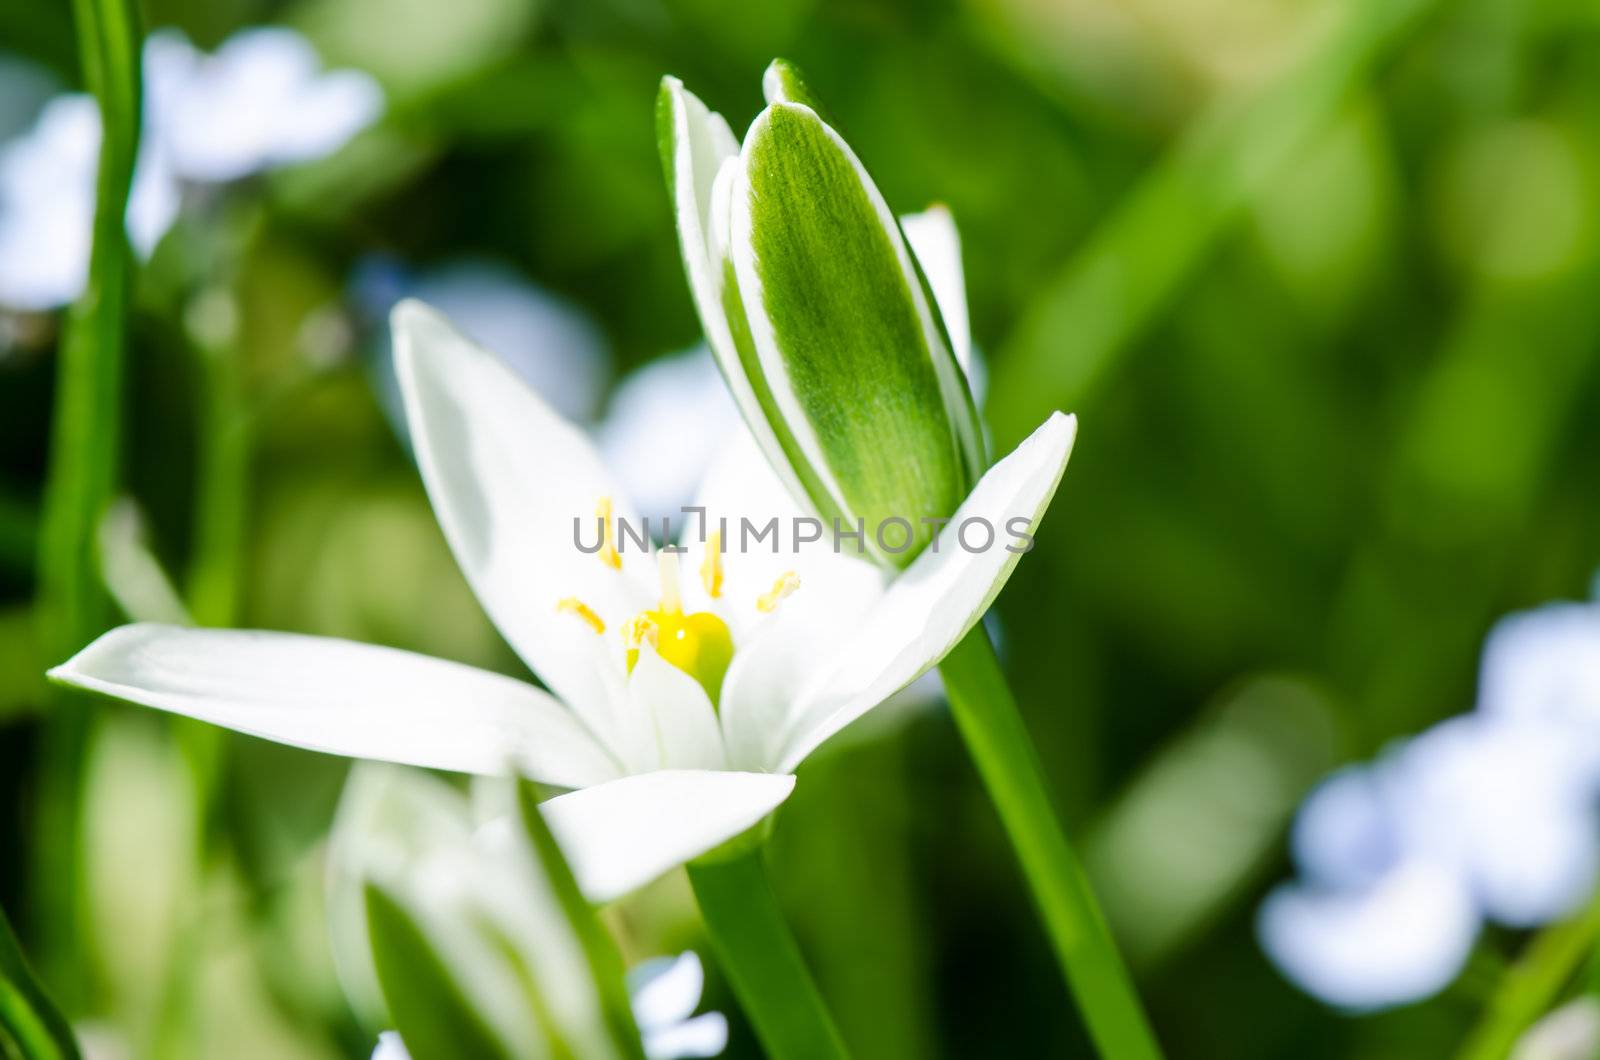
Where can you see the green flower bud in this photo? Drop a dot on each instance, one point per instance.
(820, 316)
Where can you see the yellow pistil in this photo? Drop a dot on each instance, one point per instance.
(699, 644)
(711, 566)
(608, 535)
(784, 587)
(571, 605)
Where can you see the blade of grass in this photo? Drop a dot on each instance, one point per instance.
(1084, 320)
(27, 1016)
(83, 463)
(990, 724)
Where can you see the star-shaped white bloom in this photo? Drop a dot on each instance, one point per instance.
(686, 689)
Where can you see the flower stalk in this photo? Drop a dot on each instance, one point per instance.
(83, 458)
(760, 957)
(987, 716)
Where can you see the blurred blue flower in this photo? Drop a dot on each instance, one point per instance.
(1489, 815)
(551, 343)
(664, 426)
(257, 103)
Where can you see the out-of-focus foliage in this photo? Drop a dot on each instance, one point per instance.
(1319, 279)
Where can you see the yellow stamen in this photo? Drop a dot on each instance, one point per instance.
(785, 586)
(608, 535)
(573, 606)
(711, 566)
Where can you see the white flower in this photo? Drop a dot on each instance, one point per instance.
(665, 993)
(47, 204)
(685, 693)
(259, 102)
(490, 910)
(1545, 664)
(1480, 817)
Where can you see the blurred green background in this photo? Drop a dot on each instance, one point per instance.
(1320, 277)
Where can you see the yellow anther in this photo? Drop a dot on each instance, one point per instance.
(711, 566)
(784, 587)
(571, 605)
(608, 535)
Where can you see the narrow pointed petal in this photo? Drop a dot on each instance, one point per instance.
(517, 489)
(343, 698)
(679, 714)
(937, 245)
(941, 596)
(623, 834)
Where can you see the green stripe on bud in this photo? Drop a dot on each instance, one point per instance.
(822, 319)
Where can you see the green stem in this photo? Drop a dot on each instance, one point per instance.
(1532, 984)
(760, 957)
(988, 719)
(27, 1017)
(86, 431)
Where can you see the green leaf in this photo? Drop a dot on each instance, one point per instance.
(604, 961)
(433, 1015)
(28, 1019)
(845, 335)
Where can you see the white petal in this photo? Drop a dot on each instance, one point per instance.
(388, 820)
(327, 114)
(343, 698)
(1545, 663)
(741, 495)
(705, 1035)
(937, 246)
(1511, 802)
(941, 596)
(1402, 940)
(390, 1047)
(512, 484)
(677, 712)
(620, 835)
(551, 343)
(666, 990)
(1344, 835)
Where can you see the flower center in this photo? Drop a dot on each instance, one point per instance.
(699, 644)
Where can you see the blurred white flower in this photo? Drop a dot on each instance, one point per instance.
(47, 179)
(1400, 940)
(1489, 815)
(665, 993)
(1545, 663)
(551, 343)
(259, 102)
(666, 423)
